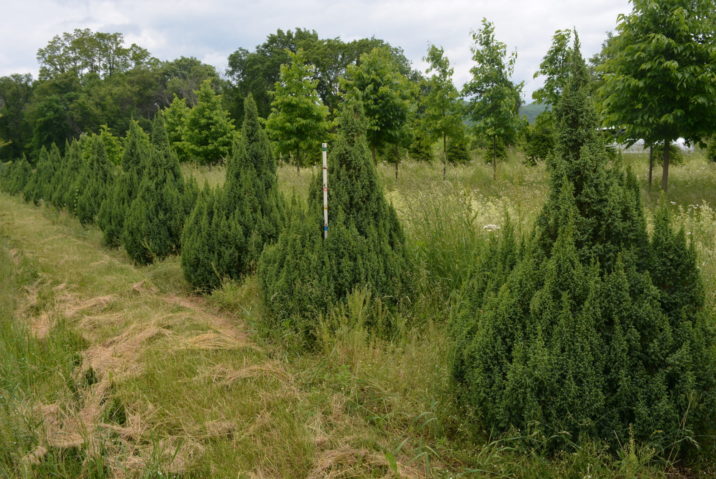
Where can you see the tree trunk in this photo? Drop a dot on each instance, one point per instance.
(651, 165)
(444, 156)
(298, 164)
(397, 162)
(374, 154)
(665, 167)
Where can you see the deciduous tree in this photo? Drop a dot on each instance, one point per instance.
(659, 76)
(493, 99)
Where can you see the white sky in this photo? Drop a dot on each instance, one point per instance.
(211, 29)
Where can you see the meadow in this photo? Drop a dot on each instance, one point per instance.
(113, 370)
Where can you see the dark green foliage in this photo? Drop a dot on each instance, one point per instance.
(64, 194)
(92, 181)
(15, 175)
(539, 138)
(303, 274)
(590, 330)
(421, 147)
(200, 244)
(457, 148)
(39, 186)
(32, 191)
(115, 207)
(155, 216)
(711, 149)
(228, 228)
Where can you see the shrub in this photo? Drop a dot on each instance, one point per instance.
(15, 175)
(591, 330)
(302, 275)
(155, 216)
(245, 213)
(115, 207)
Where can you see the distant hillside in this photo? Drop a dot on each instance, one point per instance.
(532, 110)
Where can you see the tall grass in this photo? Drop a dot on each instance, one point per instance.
(190, 403)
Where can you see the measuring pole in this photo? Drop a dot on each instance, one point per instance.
(324, 151)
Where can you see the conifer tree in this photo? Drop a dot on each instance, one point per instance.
(592, 332)
(92, 181)
(209, 130)
(15, 175)
(124, 189)
(245, 214)
(155, 217)
(33, 189)
(302, 275)
(199, 260)
(64, 194)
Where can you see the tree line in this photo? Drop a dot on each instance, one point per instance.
(652, 81)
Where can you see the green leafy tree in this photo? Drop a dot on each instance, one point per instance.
(658, 76)
(175, 118)
(493, 100)
(15, 129)
(302, 275)
(256, 72)
(228, 228)
(588, 331)
(85, 52)
(183, 77)
(114, 208)
(384, 92)
(555, 68)
(209, 130)
(298, 119)
(443, 110)
(155, 217)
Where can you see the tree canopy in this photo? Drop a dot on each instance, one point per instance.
(659, 75)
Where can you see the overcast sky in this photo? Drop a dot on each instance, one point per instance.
(211, 29)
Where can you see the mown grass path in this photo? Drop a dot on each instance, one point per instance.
(164, 384)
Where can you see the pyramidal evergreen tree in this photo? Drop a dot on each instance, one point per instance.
(246, 213)
(303, 275)
(33, 189)
(591, 331)
(155, 216)
(93, 180)
(115, 207)
(64, 194)
(51, 195)
(15, 175)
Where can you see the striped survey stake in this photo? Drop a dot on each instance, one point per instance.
(324, 151)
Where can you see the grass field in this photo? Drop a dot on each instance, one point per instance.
(110, 370)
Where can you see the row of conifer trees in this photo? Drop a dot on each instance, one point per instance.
(139, 204)
(587, 328)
